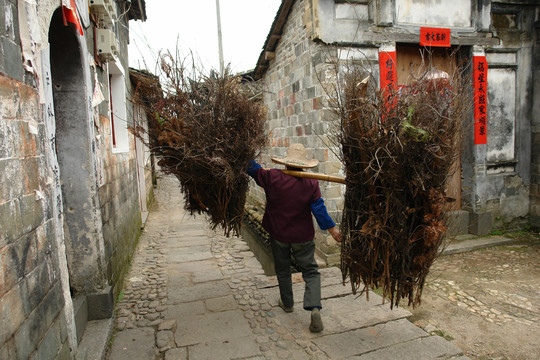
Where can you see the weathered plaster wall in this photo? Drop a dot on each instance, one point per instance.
(378, 21)
(502, 109)
(535, 123)
(502, 168)
(442, 13)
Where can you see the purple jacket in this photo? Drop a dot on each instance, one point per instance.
(287, 217)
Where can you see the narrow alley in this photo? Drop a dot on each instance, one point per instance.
(194, 294)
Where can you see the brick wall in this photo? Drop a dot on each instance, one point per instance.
(119, 197)
(298, 113)
(120, 211)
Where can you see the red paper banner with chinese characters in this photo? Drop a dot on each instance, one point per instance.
(439, 37)
(480, 68)
(388, 71)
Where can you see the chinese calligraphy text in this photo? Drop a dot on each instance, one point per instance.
(434, 37)
(388, 71)
(480, 68)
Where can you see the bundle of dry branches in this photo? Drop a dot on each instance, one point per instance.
(399, 148)
(204, 130)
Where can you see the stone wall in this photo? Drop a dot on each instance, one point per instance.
(296, 113)
(119, 197)
(31, 295)
(31, 298)
(120, 210)
(36, 308)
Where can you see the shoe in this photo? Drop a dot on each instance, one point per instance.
(316, 321)
(286, 309)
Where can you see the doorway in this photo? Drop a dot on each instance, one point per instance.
(73, 150)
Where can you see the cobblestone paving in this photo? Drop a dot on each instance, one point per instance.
(487, 300)
(274, 341)
(144, 300)
(194, 294)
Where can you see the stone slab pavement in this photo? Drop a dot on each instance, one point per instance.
(192, 293)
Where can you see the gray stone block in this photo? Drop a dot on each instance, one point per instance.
(80, 308)
(432, 347)
(65, 352)
(480, 223)
(35, 287)
(10, 218)
(11, 314)
(475, 244)
(192, 330)
(9, 169)
(50, 345)
(31, 212)
(100, 305)
(35, 327)
(239, 348)
(177, 354)
(94, 343)
(457, 222)
(133, 344)
(366, 340)
(12, 30)
(201, 291)
(12, 59)
(180, 255)
(7, 350)
(3, 31)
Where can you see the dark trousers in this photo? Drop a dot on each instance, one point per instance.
(304, 256)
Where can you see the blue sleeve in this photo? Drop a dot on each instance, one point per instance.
(321, 214)
(252, 168)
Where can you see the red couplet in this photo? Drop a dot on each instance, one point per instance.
(480, 68)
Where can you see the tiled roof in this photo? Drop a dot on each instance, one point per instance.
(137, 10)
(272, 39)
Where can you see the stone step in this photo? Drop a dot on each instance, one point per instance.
(95, 339)
(80, 308)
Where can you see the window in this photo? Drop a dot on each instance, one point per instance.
(117, 108)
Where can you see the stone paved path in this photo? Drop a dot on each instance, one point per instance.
(194, 294)
(486, 301)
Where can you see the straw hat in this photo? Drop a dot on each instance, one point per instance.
(296, 157)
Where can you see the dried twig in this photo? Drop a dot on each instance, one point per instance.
(398, 150)
(205, 130)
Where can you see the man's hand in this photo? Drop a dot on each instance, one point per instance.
(336, 234)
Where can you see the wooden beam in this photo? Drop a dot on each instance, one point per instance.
(269, 55)
(317, 176)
